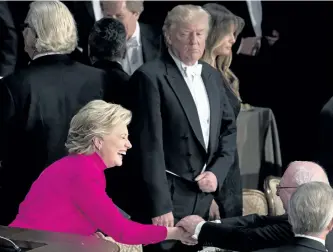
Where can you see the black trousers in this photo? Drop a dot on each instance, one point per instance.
(187, 199)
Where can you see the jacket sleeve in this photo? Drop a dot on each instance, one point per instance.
(147, 139)
(243, 238)
(226, 151)
(8, 43)
(88, 194)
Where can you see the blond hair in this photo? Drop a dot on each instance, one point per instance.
(96, 119)
(220, 24)
(183, 14)
(54, 26)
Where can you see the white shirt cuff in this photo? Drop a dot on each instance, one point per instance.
(198, 229)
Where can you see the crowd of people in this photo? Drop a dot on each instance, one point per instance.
(160, 103)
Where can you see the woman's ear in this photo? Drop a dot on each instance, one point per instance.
(98, 143)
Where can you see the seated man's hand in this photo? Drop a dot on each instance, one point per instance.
(189, 223)
(165, 220)
(178, 233)
(207, 182)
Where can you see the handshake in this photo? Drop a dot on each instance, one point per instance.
(184, 230)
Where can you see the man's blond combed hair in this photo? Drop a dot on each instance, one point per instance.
(184, 14)
(54, 26)
(94, 120)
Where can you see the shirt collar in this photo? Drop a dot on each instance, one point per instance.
(45, 54)
(311, 238)
(136, 35)
(179, 63)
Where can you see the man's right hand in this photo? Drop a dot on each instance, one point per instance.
(165, 220)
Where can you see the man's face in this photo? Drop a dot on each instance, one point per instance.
(118, 10)
(188, 40)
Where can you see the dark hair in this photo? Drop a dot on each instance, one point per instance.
(107, 40)
(221, 21)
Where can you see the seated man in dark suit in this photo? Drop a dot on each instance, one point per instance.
(253, 232)
(107, 47)
(311, 216)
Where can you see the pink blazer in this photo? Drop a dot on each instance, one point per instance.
(69, 196)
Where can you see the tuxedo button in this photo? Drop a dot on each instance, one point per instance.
(185, 137)
(189, 154)
(192, 170)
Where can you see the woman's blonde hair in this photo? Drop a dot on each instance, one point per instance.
(221, 20)
(54, 26)
(94, 120)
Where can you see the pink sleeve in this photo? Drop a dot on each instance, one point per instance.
(90, 197)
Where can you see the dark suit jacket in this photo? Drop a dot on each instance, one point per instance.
(116, 89)
(151, 37)
(251, 232)
(299, 245)
(166, 132)
(37, 105)
(8, 41)
(325, 140)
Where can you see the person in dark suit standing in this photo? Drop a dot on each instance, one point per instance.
(311, 216)
(8, 41)
(144, 42)
(107, 48)
(37, 103)
(253, 232)
(183, 127)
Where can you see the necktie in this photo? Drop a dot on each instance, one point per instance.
(133, 44)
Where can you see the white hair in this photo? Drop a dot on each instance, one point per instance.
(310, 208)
(96, 119)
(54, 26)
(184, 14)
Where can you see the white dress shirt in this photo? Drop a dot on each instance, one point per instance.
(199, 94)
(134, 58)
(255, 10)
(96, 4)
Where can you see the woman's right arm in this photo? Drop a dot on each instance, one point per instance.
(88, 193)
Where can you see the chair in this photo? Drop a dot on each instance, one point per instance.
(254, 202)
(274, 202)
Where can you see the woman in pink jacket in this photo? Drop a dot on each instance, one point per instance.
(69, 196)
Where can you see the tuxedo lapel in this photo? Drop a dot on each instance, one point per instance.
(150, 44)
(215, 107)
(309, 243)
(179, 86)
(90, 9)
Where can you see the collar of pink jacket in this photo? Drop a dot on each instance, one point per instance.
(98, 161)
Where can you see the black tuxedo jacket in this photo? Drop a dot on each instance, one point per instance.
(250, 233)
(8, 41)
(151, 36)
(116, 89)
(299, 245)
(37, 105)
(166, 132)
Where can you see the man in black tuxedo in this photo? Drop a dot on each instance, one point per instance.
(255, 232)
(107, 47)
(144, 41)
(311, 216)
(8, 41)
(38, 103)
(183, 131)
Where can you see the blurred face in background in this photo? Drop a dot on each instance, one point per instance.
(118, 10)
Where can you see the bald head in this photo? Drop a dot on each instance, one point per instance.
(298, 173)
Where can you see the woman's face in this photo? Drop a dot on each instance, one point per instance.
(225, 46)
(113, 147)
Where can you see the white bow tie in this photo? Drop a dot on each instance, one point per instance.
(132, 43)
(193, 70)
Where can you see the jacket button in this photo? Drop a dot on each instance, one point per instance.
(189, 154)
